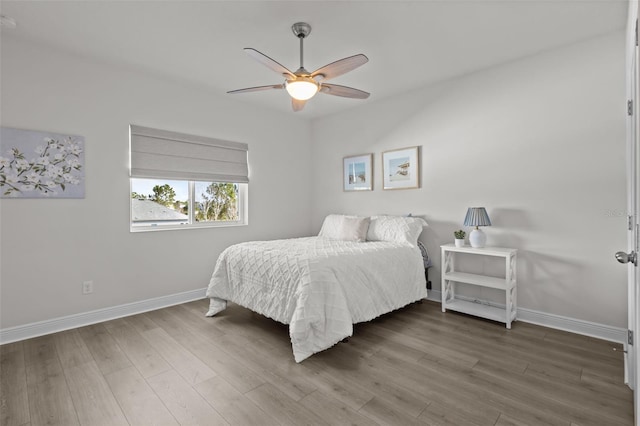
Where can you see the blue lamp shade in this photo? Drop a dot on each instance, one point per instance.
(477, 216)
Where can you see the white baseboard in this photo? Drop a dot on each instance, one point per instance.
(22, 332)
(586, 328)
(55, 325)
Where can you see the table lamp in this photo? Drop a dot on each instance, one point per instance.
(477, 216)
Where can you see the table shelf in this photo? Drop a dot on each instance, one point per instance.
(480, 309)
(475, 279)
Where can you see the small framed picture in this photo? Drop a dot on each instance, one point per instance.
(401, 168)
(358, 173)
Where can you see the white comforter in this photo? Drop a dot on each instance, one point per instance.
(319, 286)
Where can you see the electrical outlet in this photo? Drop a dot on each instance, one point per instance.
(87, 287)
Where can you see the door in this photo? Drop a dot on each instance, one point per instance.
(631, 256)
(632, 354)
(632, 361)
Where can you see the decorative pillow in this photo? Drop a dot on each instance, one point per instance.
(354, 228)
(331, 226)
(425, 256)
(342, 227)
(398, 229)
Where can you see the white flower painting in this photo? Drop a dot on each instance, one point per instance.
(38, 164)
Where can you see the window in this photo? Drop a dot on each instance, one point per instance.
(183, 181)
(169, 203)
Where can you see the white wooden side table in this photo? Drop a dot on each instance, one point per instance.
(451, 276)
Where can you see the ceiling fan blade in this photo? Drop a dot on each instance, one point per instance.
(344, 91)
(268, 62)
(340, 67)
(257, 88)
(297, 105)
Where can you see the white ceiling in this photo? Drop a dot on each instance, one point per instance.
(409, 43)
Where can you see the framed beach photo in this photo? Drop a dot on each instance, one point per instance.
(358, 173)
(401, 168)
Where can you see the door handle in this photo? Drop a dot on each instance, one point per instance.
(623, 257)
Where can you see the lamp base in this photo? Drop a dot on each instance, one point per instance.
(477, 238)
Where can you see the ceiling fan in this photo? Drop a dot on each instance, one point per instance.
(303, 85)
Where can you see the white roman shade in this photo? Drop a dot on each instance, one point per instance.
(170, 155)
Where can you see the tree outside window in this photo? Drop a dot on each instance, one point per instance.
(216, 201)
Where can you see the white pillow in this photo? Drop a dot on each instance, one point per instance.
(342, 227)
(354, 228)
(398, 229)
(331, 226)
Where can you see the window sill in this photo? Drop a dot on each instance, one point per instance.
(137, 229)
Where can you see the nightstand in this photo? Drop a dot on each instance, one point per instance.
(451, 276)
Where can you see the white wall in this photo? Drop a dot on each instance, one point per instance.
(48, 247)
(540, 142)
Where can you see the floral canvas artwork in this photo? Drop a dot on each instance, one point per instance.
(40, 164)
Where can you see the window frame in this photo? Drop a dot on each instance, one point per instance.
(243, 216)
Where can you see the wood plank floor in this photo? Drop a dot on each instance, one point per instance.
(416, 366)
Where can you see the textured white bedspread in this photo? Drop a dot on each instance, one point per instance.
(319, 286)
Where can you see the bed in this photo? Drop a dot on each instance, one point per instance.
(355, 270)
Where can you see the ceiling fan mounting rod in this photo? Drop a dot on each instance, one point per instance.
(301, 51)
(301, 30)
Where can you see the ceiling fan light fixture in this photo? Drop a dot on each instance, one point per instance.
(302, 88)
